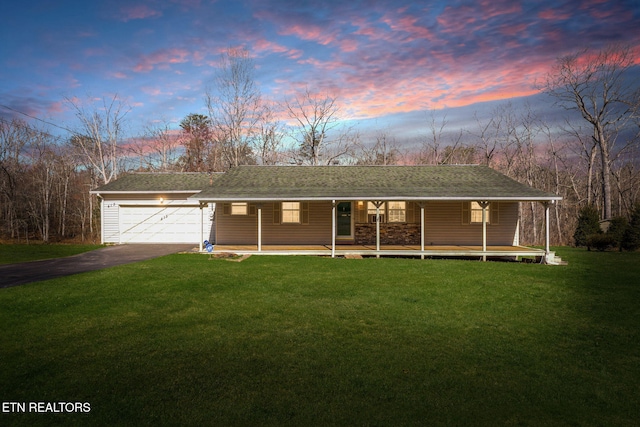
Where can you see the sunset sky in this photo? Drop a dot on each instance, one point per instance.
(382, 59)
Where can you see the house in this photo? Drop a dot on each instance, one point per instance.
(385, 210)
(156, 208)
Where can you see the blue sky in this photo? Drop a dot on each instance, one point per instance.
(384, 60)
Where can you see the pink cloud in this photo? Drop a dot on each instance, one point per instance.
(408, 25)
(161, 59)
(140, 11)
(154, 91)
(118, 75)
(264, 45)
(310, 32)
(457, 20)
(553, 15)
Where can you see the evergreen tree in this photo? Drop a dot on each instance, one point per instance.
(588, 225)
(616, 230)
(631, 239)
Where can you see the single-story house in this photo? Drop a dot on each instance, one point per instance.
(156, 208)
(444, 210)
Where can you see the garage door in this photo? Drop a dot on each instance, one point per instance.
(152, 224)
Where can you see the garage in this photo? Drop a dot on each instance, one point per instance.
(167, 224)
(156, 208)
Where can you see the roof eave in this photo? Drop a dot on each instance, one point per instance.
(145, 192)
(384, 199)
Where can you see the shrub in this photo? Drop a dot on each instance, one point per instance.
(588, 224)
(600, 242)
(631, 239)
(617, 228)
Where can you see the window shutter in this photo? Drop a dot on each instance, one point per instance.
(361, 212)
(226, 209)
(466, 213)
(276, 213)
(304, 206)
(411, 212)
(252, 209)
(494, 213)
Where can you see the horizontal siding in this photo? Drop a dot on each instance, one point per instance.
(443, 225)
(111, 222)
(243, 229)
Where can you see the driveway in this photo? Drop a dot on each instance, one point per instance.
(34, 271)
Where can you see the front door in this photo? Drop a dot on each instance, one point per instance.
(344, 228)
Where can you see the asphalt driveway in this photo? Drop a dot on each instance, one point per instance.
(34, 271)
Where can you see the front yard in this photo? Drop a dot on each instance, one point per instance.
(184, 340)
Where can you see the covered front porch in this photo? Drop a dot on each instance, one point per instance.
(444, 251)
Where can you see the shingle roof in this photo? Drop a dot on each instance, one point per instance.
(255, 183)
(166, 182)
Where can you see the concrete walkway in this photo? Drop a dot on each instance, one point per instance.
(35, 271)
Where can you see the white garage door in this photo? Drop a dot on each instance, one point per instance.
(152, 224)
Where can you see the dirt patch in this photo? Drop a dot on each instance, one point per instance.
(229, 256)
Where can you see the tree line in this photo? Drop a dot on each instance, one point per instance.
(591, 159)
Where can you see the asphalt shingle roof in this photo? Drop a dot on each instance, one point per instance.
(255, 183)
(150, 182)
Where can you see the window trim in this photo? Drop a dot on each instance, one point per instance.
(294, 211)
(235, 205)
(396, 211)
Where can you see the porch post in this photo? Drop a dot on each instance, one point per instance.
(333, 229)
(546, 226)
(422, 229)
(259, 207)
(484, 206)
(377, 205)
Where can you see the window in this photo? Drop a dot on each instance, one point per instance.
(371, 212)
(397, 211)
(291, 212)
(238, 208)
(476, 214)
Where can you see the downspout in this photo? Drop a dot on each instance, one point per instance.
(201, 227)
(101, 218)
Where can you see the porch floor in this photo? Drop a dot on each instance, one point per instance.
(385, 250)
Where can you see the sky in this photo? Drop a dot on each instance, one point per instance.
(386, 62)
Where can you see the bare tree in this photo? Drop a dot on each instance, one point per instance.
(99, 135)
(14, 135)
(383, 152)
(598, 87)
(234, 106)
(269, 137)
(439, 146)
(157, 149)
(315, 116)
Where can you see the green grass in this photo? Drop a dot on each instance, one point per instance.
(10, 253)
(293, 341)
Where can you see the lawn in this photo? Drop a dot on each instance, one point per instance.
(10, 254)
(293, 341)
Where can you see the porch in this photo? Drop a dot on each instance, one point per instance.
(449, 251)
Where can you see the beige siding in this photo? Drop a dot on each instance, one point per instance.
(243, 229)
(444, 225)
